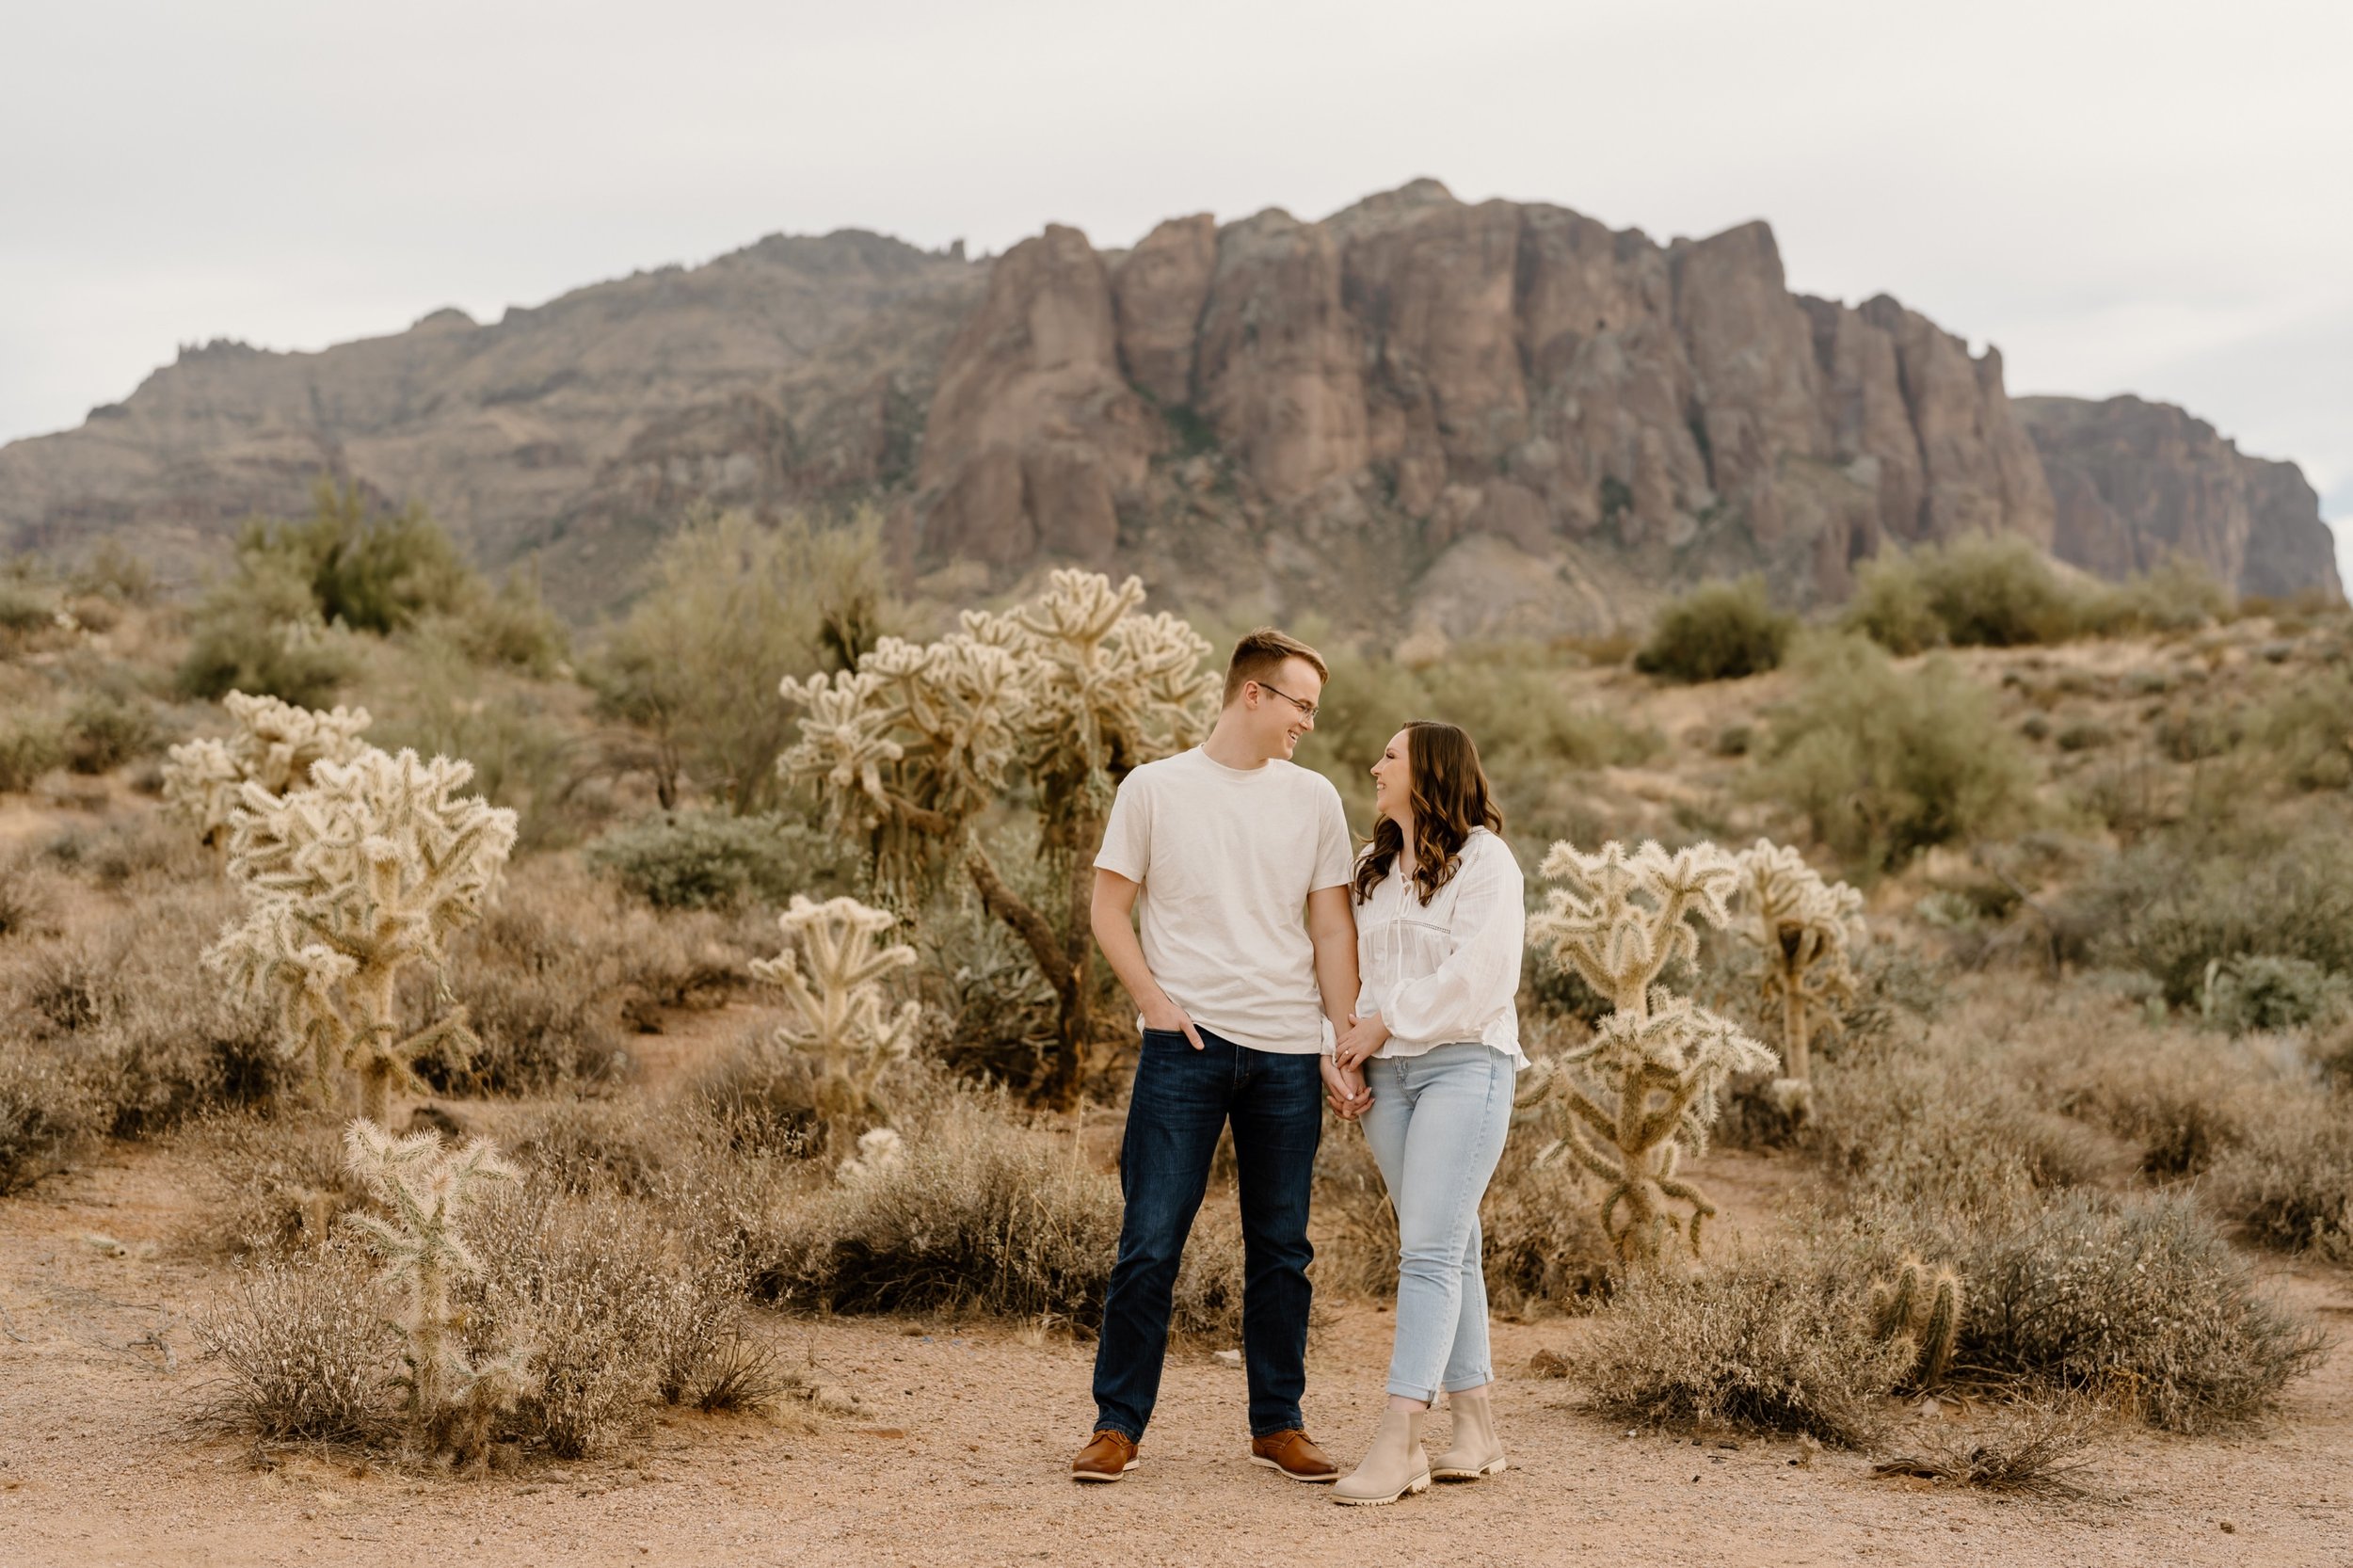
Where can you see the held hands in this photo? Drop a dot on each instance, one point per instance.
(1363, 1038)
(1346, 1089)
(1162, 1012)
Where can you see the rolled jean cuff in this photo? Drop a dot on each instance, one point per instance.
(1427, 1395)
(1477, 1380)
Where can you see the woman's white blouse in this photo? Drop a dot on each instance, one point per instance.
(1449, 970)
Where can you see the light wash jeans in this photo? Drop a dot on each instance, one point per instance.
(1436, 1128)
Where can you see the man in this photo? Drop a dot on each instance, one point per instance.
(1223, 847)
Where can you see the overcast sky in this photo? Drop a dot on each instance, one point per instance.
(2154, 196)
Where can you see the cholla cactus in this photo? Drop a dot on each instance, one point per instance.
(1805, 930)
(427, 1188)
(1069, 689)
(346, 883)
(878, 1150)
(1656, 1061)
(1924, 1306)
(273, 746)
(831, 969)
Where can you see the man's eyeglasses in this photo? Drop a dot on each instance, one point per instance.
(1306, 710)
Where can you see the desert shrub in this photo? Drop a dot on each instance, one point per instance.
(260, 632)
(1776, 1341)
(149, 1039)
(2177, 595)
(991, 1014)
(1961, 1119)
(2180, 1100)
(513, 628)
(369, 570)
(611, 1303)
(26, 608)
(735, 607)
(983, 1213)
(1997, 593)
(1891, 606)
(2289, 1179)
(2307, 730)
(2256, 992)
(2175, 905)
(2140, 1302)
(27, 900)
(602, 1147)
(114, 573)
(31, 743)
(302, 1346)
(44, 1115)
(1720, 631)
(1540, 1235)
(713, 860)
(103, 731)
(144, 850)
(273, 1184)
(1885, 762)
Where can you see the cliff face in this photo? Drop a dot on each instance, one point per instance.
(1492, 418)
(2135, 482)
(1515, 386)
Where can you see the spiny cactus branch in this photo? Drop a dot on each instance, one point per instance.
(1656, 1063)
(1070, 690)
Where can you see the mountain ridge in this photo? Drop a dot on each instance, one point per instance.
(1477, 419)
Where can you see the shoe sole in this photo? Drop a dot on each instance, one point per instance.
(1311, 1480)
(1094, 1479)
(1413, 1489)
(1493, 1468)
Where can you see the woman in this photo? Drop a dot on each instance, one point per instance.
(1440, 923)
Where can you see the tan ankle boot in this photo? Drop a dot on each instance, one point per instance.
(1395, 1467)
(1476, 1450)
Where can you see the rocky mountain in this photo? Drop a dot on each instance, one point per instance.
(2133, 482)
(1499, 418)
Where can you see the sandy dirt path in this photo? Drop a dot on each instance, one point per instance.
(960, 1455)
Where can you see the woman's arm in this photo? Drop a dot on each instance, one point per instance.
(1481, 975)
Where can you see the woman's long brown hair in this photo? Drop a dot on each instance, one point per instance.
(1450, 795)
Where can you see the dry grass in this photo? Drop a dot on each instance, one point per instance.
(2289, 1179)
(1775, 1340)
(2024, 1450)
(302, 1348)
(983, 1213)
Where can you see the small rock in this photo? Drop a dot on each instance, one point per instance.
(2227, 1527)
(1231, 1358)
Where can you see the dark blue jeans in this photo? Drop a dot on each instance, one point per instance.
(1183, 1097)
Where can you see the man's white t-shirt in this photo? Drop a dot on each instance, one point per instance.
(1226, 857)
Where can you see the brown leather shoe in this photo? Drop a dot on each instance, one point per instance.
(1108, 1456)
(1293, 1454)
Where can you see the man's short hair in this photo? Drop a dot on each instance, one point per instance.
(1260, 653)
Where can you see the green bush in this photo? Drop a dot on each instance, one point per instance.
(2178, 595)
(103, 731)
(368, 570)
(513, 627)
(736, 606)
(1885, 764)
(1891, 606)
(260, 632)
(1997, 593)
(710, 860)
(2309, 729)
(1720, 631)
(30, 744)
(2174, 905)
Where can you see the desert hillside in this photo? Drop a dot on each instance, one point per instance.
(1508, 417)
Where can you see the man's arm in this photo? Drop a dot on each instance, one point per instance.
(1109, 914)
(1331, 927)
